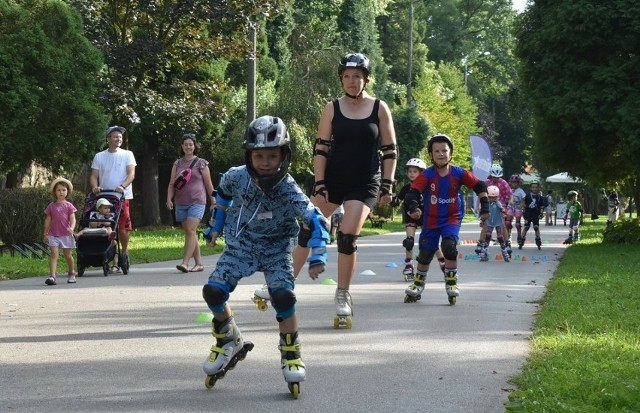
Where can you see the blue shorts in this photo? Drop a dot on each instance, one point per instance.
(430, 238)
(189, 211)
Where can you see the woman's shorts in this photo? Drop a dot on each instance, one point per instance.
(367, 193)
(65, 241)
(189, 211)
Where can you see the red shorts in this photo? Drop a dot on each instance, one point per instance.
(124, 223)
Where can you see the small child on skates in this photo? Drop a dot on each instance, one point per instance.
(439, 187)
(59, 227)
(413, 168)
(257, 205)
(495, 220)
(532, 205)
(514, 208)
(574, 213)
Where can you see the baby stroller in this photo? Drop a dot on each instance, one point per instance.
(96, 248)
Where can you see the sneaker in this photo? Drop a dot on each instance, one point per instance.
(51, 280)
(72, 279)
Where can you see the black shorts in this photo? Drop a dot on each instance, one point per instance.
(367, 193)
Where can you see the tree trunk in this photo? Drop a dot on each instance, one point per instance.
(148, 171)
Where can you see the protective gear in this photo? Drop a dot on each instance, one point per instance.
(219, 215)
(407, 243)
(425, 257)
(448, 247)
(216, 296)
(304, 235)
(570, 193)
(415, 162)
(346, 243)
(321, 142)
(355, 60)
(267, 132)
(515, 179)
(493, 191)
(319, 238)
(480, 187)
(390, 151)
(386, 187)
(534, 182)
(283, 301)
(411, 200)
(440, 138)
(495, 171)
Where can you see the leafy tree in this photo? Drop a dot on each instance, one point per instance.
(159, 80)
(413, 132)
(579, 71)
(47, 88)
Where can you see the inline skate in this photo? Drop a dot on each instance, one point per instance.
(569, 240)
(229, 349)
(484, 254)
(521, 241)
(506, 256)
(261, 298)
(450, 285)
(441, 264)
(538, 243)
(293, 368)
(344, 309)
(414, 291)
(408, 272)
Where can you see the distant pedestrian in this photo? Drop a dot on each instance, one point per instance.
(548, 210)
(59, 228)
(612, 204)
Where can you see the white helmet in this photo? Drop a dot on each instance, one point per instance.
(493, 190)
(495, 171)
(418, 163)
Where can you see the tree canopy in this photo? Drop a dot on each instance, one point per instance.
(48, 87)
(579, 72)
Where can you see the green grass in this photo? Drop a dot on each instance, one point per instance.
(586, 343)
(145, 246)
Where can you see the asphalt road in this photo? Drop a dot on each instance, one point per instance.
(133, 342)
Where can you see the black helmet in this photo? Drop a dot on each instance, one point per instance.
(267, 132)
(440, 138)
(355, 60)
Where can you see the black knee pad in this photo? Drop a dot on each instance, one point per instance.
(425, 257)
(282, 299)
(407, 243)
(527, 225)
(304, 235)
(347, 243)
(449, 248)
(214, 295)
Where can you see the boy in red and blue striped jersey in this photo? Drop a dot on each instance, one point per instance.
(439, 185)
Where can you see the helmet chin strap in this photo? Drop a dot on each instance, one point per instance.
(358, 96)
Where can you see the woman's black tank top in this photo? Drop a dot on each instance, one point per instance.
(354, 148)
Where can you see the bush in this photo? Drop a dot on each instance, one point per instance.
(22, 213)
(623, 231)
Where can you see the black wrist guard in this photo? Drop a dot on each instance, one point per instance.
(386, 187)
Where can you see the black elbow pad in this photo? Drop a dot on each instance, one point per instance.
(480, 187)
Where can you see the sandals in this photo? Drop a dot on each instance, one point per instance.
(114, 269)
(197, 268)
(182, 267)
(52, 280)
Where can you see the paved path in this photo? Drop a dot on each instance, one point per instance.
(131, 343)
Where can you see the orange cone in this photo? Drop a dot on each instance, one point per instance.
(498, 257)
(524, 258)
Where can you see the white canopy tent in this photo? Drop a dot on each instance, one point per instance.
(563, 178)
(528, 178)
